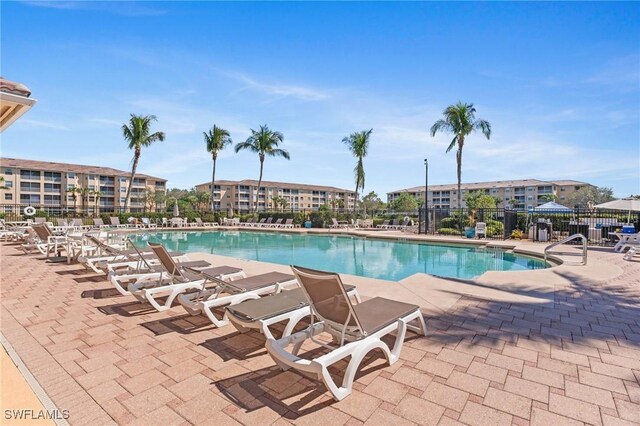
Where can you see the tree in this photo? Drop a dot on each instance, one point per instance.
(193, 201)
(371, 202)
(358, 144)
(2, 184)
(263, 142)
(216, 139)
(74, 191)
(405, 203)
(479, 200)
(460, 120)
(204, 199)
(159, 197)
(586, 194)
(138, 134)
(149, 198)
(96, 198)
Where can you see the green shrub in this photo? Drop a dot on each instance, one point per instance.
(494, 228)
(449, 231)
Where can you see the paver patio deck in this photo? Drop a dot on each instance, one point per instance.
(563, 349)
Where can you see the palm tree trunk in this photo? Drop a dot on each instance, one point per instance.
(213, 183)
(259, 183)
(459, 161)
(136, 157)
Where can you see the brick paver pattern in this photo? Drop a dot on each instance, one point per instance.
(109, 359)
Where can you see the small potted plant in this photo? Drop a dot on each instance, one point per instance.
(516, 234)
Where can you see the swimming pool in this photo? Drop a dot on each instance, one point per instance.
(367, 257)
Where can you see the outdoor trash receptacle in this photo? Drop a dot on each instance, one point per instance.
(307, 224)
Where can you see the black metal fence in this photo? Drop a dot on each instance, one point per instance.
(599, 226)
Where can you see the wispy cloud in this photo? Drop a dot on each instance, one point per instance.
(129, 9)
(279, 90)
(43, 124)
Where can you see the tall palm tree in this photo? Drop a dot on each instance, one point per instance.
(97, 195)
(460, 120)
(74, 191)
(358, 144)
(84, 195)
(138, 134)
(216, 139)
(263, 142)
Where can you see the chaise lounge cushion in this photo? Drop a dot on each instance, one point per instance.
(379, 312)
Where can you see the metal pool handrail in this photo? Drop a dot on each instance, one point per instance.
(547, 249)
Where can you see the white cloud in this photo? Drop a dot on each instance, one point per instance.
(279, 90)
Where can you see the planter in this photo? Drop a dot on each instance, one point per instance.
(469, 232)
(307, 224)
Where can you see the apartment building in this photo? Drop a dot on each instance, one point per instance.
(526, 193)
(241, 195)
(48, 184)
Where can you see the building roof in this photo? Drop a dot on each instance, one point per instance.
(14, 102)
(271, 184)
(492, 184)
(67, 167)
(13, 87)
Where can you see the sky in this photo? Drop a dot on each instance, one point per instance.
(559, 83)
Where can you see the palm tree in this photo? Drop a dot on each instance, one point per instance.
(138, 134)
(358, 143)
(460, 120)
(97, 195)
(74, 191)
(216, 139)
(548, 197)
(263, 142)
(84, 194)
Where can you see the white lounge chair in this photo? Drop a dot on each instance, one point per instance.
(115, 222)
(233, 292)
(175, 279)
(356, 329)
(335, 224)
(199, 222)
(383, 225)
(291, 306)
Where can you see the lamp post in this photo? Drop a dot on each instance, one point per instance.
(426, 191)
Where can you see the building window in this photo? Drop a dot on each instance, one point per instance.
(561, 189)
(71, 175)
(8, 183)
(29, 199)
(8, 197)
(8, 171)
(52, 199)
(30, 174)
(52, 176)
(29, 187)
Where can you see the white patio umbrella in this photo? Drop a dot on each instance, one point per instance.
(628, 204)
(176, 210)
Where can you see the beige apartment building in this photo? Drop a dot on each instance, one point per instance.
(47, 184)
(527, 193)
(241, 195)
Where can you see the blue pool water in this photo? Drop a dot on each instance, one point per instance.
(374, 258)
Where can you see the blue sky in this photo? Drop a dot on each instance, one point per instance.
(560, 83)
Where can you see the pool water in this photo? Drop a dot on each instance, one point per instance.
(366, 257)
